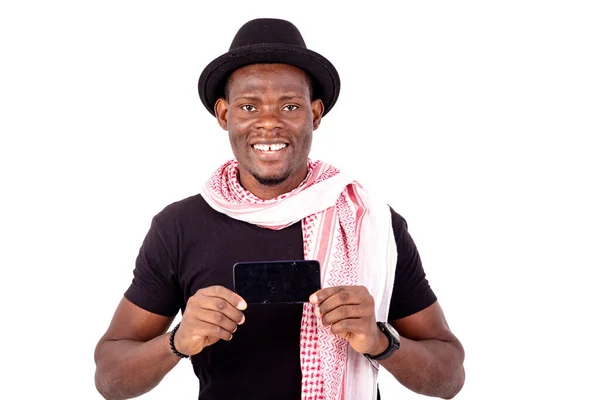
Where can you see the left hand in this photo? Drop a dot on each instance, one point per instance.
(350, 311)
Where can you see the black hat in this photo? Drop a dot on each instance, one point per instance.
(269, 40)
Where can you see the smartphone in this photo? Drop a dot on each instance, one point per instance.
(289, 281)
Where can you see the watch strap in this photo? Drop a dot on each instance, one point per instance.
(393, 343)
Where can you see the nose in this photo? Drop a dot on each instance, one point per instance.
(268, 119)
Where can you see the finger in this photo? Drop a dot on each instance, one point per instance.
(200, 303)
(323, 294)
(223, 307)
(344, 312)
(218, 319)
(206, 329)
(351, 325)
(222, 292)
(344, 297)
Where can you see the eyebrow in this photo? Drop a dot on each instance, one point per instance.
(249, 98)
(289, 97)
(257, 98)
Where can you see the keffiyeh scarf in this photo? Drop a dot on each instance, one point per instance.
(351, 236)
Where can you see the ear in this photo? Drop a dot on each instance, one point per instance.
(317, 112)
(221, 107)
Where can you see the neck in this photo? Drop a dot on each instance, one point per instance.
(268, 192)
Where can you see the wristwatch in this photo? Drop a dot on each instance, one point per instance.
(394, 338)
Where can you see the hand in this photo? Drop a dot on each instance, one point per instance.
(350, 311)
(211, 314)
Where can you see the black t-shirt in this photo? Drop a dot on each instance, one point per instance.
(191, 246)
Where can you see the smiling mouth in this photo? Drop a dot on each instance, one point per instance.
(269, 148)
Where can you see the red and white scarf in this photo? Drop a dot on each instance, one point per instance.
(352, 238)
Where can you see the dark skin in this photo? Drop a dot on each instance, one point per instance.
(430, 358)
(270, 104)
(270, 117)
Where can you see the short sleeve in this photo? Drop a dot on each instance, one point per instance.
(411, 292)
(155, 286)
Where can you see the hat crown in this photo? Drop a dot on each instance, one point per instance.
(267, 31)
(269, 40)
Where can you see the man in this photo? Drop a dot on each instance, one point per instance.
(274, 203)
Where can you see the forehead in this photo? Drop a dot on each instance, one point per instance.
(264, 76)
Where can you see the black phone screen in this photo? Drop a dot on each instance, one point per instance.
(277, 281)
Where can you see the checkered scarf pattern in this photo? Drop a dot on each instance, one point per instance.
(331, 212)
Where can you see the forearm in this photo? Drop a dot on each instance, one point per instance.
(429, 367)
(127, 369)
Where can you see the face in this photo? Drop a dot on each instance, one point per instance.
(270, 119)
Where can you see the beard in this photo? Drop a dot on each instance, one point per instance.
(271, 180)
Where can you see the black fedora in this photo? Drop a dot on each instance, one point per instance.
(269, 40)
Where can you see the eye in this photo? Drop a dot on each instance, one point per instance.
(248, 107)
(290, 107)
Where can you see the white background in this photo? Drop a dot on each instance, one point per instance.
(478, 120)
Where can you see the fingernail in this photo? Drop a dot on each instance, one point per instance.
(317, 312)
(242, 305)
(313, 298)
(243, 319)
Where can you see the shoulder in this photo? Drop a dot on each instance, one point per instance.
(398, 221)
(376, 202)
(192, 217)
(183, 209)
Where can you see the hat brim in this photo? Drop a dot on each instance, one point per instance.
(326, 81)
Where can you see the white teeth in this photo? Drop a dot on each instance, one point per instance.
(276, 147)
(269, 147)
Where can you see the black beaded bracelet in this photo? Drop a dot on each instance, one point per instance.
(172, 343)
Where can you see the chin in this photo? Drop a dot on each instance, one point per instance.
(272, 180)
(270, 175)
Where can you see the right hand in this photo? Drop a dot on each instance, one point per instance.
(211, 314)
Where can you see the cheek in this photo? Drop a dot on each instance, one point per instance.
(304, 146)
(304, 131)
(308, 142)
(237, 131)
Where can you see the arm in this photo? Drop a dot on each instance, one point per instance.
(134, 354)
(430, 358)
